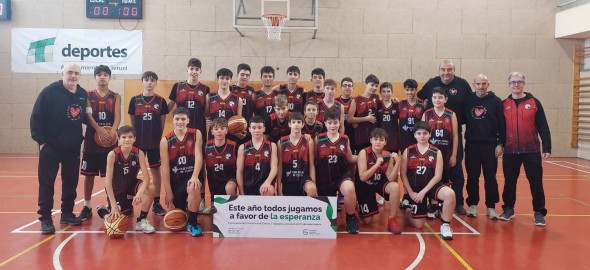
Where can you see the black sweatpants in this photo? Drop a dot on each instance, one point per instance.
(50, 159)
(480, 156)
(533, 169)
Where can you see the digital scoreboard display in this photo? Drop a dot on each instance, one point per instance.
(114, 9)
(5, 10)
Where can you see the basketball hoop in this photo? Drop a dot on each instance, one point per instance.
(274, 24)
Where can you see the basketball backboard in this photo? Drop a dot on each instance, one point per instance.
(301, 14)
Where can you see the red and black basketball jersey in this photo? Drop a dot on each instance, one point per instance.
(345, 103)
(312, 130)
(295, 160)
(192, 97)
(364, 107)
(330, 159)
(441, 132)
(387, 117)
(348, 129)
(181, 155)
(247, 103)
(275, 129)
(223, 108)
(220, 164)
(257, 163)
(295, 99)
(408, 116)
(421, 167)
(322, 108)
(381, 172)
(264, 103)
(313, 96)
(148, 112)
(103, 112)
(125, 170)
(376, 98)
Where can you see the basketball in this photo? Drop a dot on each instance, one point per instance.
(106, 143)
(116, 228)
(175, 220)
(236, 125)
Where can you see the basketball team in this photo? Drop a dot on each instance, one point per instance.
(297, 143)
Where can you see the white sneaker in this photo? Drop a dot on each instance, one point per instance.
(144, 226)
(381, 201)
(446, 232)
(202, 207)
(492, 214)
(472, 211)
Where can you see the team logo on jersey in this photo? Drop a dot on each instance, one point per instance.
(433, 141)
(189, 144)
(393, 111)
(74, 112)
(133, 163)
(342, 147)
(200, 93)
(453, 91)
(527, 106)
(228, 156)
(479, 112)
(249, 154)
(231, 103)
(156, 106)
(323, 145)
(210, 154)
(266, 153)
(507, 107)
(175, 169)
(431, 158)
(298, 96)
(406, 128)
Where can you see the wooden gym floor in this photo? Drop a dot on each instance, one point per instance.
(479, 243)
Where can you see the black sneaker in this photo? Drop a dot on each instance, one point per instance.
(70, 219)
(540, 219)
(102, 211)
(460, 210)
(47, 226)
(351, 226)
(158, 210)
(85, 214)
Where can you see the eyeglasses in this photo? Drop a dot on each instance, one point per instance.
(347, 85)
(516, 82)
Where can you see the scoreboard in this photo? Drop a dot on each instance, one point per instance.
(114, 9)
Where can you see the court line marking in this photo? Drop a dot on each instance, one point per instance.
(210, 232)
(18, 212)
(53, 213)
(474, 231)
(19, 157)
(571, 163)
(553, 163)
(33, 246)
(420, 253)
(444, 243)
(57, 252)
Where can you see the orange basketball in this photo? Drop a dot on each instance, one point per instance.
(236, 125)
(116, 228)
(106, 143)
(175, 220)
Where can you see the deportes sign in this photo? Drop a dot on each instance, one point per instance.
(275, 217)
(44, 50)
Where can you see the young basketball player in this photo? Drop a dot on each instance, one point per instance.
(387, 117)
(443, 122)
(410, 112)
(311, 125)
(257, 162)
(296, 175)
(148, 116)
(317, 93)
(294, 92)
(122, 186)
(264, 98)
(105, 111)
(192, 94)
(328, 102)
(332, 159)
(362, 114)
(220, 160)
(377, 171)
(224, 104)
(276, 125)
(421, 172)
(347, 86)
(243, 90)
(182, 158)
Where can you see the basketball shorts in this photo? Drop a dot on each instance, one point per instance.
(153, 156)
(94, 164)
(217, 186)
(296, 188)
(365, 196)
(180, 193)
(329, 187)
(419, 210)
(125, 203)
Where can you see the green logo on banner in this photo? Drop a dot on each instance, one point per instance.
(41, 51)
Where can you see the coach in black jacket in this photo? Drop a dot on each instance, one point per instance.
(484, 136)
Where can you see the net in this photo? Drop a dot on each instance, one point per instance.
(274, 24)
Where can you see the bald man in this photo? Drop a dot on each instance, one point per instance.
(56, 125)
(457, 90)
(484, 136)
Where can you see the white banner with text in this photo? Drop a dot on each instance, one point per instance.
(46, 50)
(275, 217)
